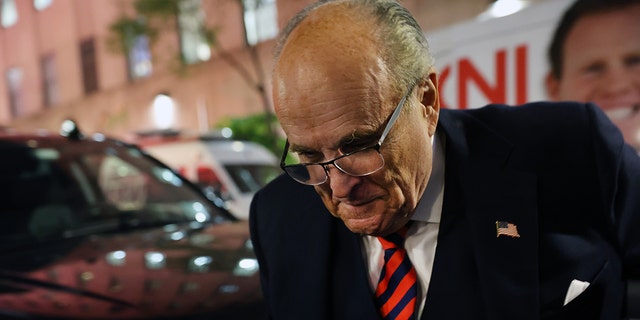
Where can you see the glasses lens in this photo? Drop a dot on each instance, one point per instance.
(361, 163)
(311, 174)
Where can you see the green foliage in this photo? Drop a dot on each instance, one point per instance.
(125, 30)
(257, 128)
(162, 8)
(152, 16)
(211, 35)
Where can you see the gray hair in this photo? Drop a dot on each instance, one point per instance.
(403, 44)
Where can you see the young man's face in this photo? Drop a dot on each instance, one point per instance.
(601, 64)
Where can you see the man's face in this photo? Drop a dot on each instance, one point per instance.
(333, 95)
(601, 64)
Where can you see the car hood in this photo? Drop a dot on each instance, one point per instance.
(167, 271)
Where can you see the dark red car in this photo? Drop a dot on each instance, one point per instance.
(94, 228)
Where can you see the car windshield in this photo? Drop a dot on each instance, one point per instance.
(83, 187)
(251, 177)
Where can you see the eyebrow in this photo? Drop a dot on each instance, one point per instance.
(354, 137)
(298, 149)
(360, 136)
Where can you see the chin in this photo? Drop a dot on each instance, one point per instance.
(363, 230)
(359, 225)
(374, 225)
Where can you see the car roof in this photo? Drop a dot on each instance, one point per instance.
(47, 138)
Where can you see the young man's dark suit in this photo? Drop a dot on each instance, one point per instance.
(559, 172)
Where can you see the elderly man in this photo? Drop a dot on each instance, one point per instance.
(501, 212)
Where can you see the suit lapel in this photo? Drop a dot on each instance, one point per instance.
(482, 186)
(352, 296)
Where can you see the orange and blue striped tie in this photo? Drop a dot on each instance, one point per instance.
(396, 293)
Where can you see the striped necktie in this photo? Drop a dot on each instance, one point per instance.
(396, 293)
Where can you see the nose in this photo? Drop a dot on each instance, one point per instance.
(340, 183)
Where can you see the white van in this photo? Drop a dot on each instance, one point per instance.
(234, 169)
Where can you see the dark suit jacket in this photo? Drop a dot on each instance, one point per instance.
(560, 172)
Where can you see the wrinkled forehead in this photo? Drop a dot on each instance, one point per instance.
(335, 25)
(330, 42)
(327, 114)
(330, 74)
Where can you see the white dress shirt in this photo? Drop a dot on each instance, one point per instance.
(422, 236)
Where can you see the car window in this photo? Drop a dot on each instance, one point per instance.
(251, 177)
(82, 188)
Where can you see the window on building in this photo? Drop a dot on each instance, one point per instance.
(41, 4)
(9, 13)
(193, 43)
(139, 59)
(89, 65)
(14, 85)
(49, 80)
(260, 20)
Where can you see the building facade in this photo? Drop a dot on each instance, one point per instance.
(60, 59)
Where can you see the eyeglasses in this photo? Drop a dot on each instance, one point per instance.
(358, 163)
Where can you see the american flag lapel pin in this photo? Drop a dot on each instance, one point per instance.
(504, 228)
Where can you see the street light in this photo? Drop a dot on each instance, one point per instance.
(501, 8)
(163, 111)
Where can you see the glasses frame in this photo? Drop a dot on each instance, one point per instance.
(392, 120)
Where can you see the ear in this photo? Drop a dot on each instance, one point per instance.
(429, 98)
(552, 86)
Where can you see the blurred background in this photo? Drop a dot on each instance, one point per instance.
(130, 68)
(126, 67)
(188, 81)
